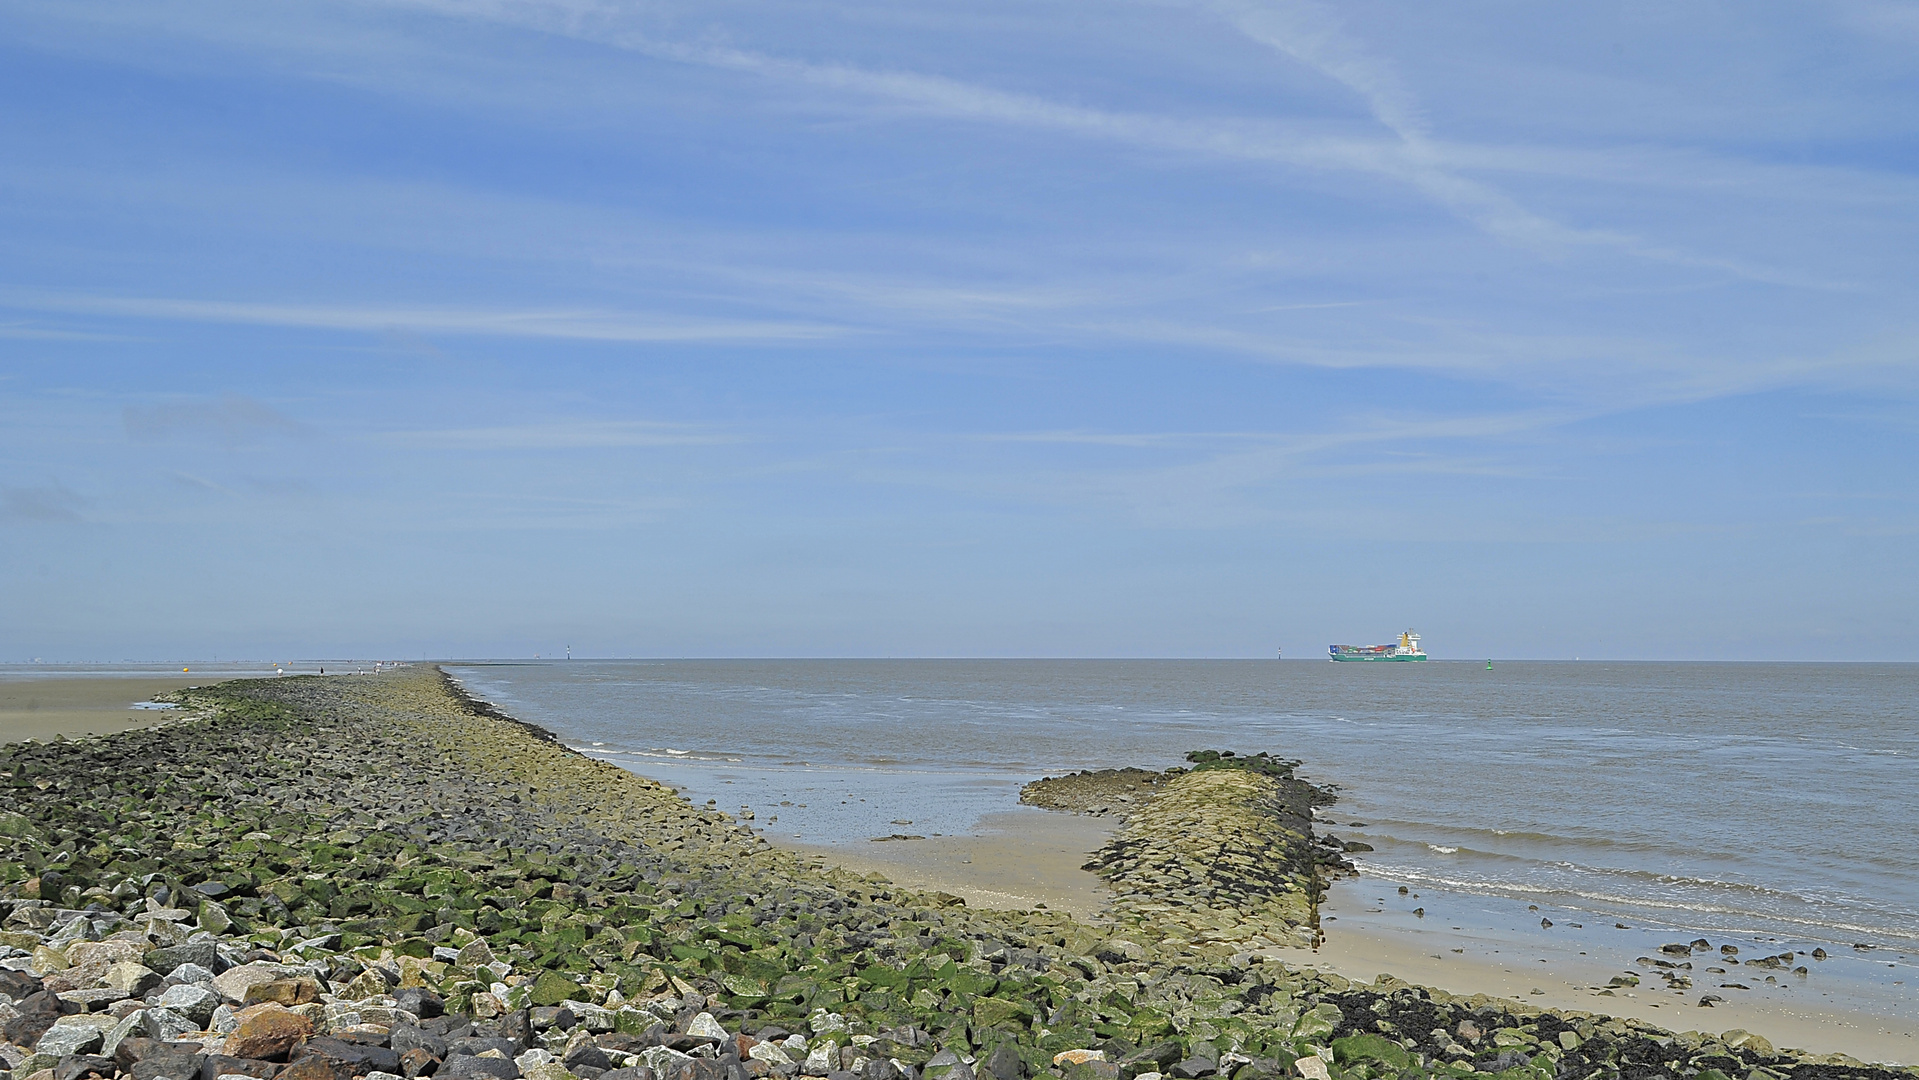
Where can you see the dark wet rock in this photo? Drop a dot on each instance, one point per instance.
(419, 1001)
(1103, 791)
(34, 1015)
(583, 1051)
(517, 1027)
(1003, 1063)
(692, 1068)
(418, 1061)
(470, 1067)
(402, 1037)
(83, 1065)
(359, 1058)
(171, 1063)
(18, 985)
(205, 954)
(133, 1049)
(480, 1044)
(214, 1066)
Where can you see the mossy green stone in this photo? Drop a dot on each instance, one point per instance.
(551, 988)
(992, 1012)
(1369, 1047)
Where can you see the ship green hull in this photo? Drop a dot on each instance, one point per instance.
(1375, 659)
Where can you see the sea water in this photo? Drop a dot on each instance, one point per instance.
(1775, 805)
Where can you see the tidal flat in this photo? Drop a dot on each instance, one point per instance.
(376, 876)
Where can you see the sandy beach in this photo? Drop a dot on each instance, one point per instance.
(1025, 858)
(1021, 859)
(41, 708)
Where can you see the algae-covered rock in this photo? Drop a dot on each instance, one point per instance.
(552, 988)
(993, 1012)
(1370, 1047)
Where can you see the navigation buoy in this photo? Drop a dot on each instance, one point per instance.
(1489, 665)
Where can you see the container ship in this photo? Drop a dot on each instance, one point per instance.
(1406, 648)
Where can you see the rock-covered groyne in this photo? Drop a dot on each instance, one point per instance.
(1220, 855)
(324, 879)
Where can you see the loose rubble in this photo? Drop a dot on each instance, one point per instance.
(375, 877)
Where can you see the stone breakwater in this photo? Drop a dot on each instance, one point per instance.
(1221, 855)
(324, 879)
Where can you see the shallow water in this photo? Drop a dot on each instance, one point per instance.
(1745, 796)
(1771, 804)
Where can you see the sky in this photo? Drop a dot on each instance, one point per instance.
(401, 328)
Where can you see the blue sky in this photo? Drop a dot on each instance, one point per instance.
(403, 327)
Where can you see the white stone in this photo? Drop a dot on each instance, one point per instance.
(658, 1058)
(1313, 1067)
(167, 1025)
(79, 1034)
(196, 1003)
(191, 973)
(535, 1056)
(822, 1059)
(769, 1053)
(704, 1025)
(224, 1020)
(595, 1018)
(129, 1026)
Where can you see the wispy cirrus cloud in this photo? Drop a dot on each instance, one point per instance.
(20, 331)
(582, 324)
(1405, 152)
(562, 435)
